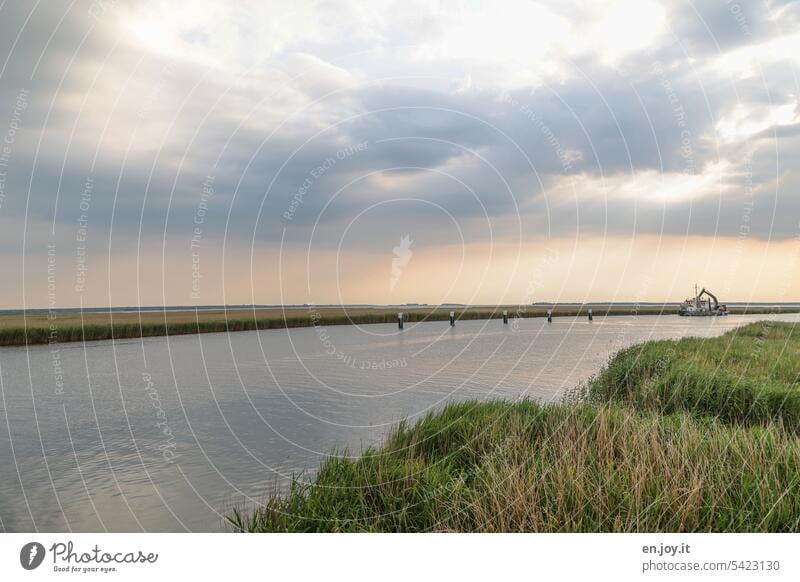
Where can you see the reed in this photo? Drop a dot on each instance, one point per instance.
(39, 328)
(503, 467)
(632, 457)
(749, 375)
(103, 326)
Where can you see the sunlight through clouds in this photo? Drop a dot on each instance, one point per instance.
(512, 120)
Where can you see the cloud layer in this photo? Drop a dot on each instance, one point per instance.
(263, 141)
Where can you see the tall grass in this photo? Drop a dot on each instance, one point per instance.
(101, 326)
(524, 467)
(749, 375)
(72, 330)
(75, 332)
(649, 451)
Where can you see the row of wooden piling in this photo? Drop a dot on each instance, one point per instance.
(401, 318)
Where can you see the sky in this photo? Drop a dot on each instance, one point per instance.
(197, 152)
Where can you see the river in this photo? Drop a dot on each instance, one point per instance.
(165, 434)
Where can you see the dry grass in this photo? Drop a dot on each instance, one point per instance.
(36, 328)
(504, 467)
(750, 375)
(684, 457)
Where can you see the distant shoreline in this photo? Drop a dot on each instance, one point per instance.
(359, 306)
(53, 327)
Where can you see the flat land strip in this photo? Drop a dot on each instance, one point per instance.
(41, 327)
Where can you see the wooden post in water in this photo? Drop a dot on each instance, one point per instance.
(400, 320)
(505, 317)
(452, 318)
(549, 316)
(590, 315)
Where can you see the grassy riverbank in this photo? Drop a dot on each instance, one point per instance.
(748, 376)
(688, 435)
(41, 327)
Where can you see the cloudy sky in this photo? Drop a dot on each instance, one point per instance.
(385, 152)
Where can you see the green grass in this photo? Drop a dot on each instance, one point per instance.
(669, 440)
(747, 376)
(14, 330)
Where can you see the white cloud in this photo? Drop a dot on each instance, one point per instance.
(647, 186)
(511, 43)
(622, 28)
(744, 121)
(750, 60)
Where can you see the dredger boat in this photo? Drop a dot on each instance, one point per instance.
(700, 306)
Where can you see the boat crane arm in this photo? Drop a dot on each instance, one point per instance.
(710, 294)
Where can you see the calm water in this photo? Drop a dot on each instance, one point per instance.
(165, 434)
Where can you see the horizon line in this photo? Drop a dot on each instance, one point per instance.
(240, 306)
